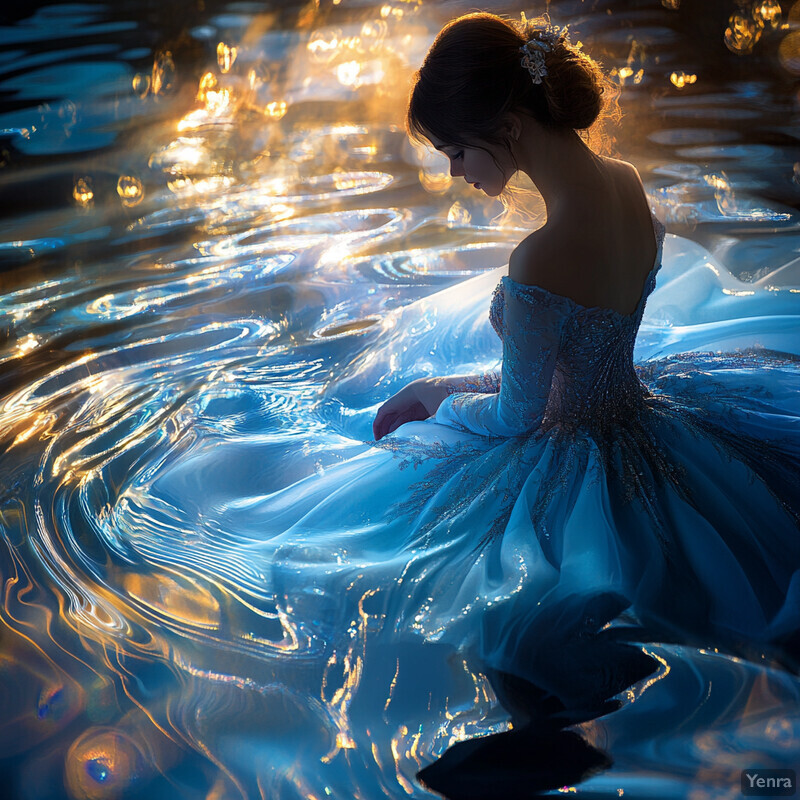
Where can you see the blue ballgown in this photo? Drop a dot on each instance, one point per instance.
(576, 489)
(680, 492)
(673, 485)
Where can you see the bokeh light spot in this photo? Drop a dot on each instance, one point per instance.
(742, 34)
(226, 56)
(83, 192)
(130, 190)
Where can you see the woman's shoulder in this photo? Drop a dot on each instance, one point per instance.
(550, 257)
(528, 260)
(620, 163)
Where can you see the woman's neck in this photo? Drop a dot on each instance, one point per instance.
(566, 172)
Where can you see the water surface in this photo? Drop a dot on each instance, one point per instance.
(212, 225)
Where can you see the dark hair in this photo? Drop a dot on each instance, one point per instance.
(472, 76)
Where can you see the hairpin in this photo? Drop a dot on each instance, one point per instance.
(534, 50)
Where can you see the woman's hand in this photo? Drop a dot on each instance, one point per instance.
(416, 401)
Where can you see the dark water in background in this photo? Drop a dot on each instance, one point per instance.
(192, 261)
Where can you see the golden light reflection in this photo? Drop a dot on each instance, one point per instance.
(672, 5)
(769, 11)
(350, 666)
(323, 45)
(41, 425)
(179, 599)
(623, 74)
(281, 211)
(458, 215)
(130, 190)
(226, 56)
(207, 83)
(141, 84)
(390, 11)
(274, 187)
(101, 306)
(392, 685)
(276, 110)
(742, 34)
(194, 119)
(395, 747)
(435, 182)
(183, 185)
(83, 192)
(25, 345)
(183, 152)
(681, 79)
(163, 73)
(349, 73)
(218, 103)
(344, 180)
(348, 56)
(373, 33)
(661, 673)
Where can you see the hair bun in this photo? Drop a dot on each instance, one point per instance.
(574, 83)
(473, 75)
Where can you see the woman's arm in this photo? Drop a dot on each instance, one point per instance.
(533, 321)
(421, 398)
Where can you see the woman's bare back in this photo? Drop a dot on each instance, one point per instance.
(602, 252)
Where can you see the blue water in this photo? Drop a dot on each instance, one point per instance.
(212, 223)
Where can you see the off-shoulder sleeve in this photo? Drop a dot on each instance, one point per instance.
(533, 321)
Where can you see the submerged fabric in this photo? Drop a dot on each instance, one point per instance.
(652, 457)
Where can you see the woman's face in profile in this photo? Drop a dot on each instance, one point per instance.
(478, 166)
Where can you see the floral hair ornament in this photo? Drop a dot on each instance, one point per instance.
(543, 41)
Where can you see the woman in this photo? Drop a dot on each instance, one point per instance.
(681, 506)
(522, 527)
(689, 500)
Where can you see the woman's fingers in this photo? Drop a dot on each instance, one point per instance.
(401, 419)
(412, 413)
(386, 413)
(380, 427)
(396, 411)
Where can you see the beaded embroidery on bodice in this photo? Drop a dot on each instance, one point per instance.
(594, 380)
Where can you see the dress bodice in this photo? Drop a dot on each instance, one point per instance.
(593, 377)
